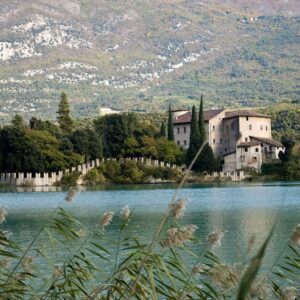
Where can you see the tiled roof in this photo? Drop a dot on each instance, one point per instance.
(186, 118)
(267, 141)
(247, 144)
(244, 113)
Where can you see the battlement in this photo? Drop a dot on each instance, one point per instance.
(52, 178)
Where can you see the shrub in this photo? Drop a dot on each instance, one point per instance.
(94, 177)
(70, 179)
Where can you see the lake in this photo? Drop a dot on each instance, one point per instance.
(241, 210)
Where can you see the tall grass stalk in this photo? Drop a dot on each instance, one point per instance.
(165, 217)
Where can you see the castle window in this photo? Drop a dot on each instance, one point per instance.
(214, 141)
(213, 127)
(184, 129)
(246, 149)
(221, 141)
(178, 143)
(250, 127)
(247, 118)
(266, 128)
(270, 148)
(184, 143)
(256, 149)
(261, 127)
(225, 149)
(246, 139)
(178, 130)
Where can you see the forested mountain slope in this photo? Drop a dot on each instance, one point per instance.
(141, 54)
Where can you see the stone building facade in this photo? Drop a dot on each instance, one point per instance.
(239, 138)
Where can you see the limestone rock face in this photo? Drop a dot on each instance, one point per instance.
(142, 54)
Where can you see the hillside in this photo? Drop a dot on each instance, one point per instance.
(143, 54)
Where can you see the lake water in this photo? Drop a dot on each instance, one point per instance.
(241, 210)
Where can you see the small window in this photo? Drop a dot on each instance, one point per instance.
(221, 141)
(184, 143)
(255, 158)
(178, 143)
(246, 139)
(261, 127)
(213, 127)
(214, 141)
(247, 118)
(250, 127)
(256, 149)
(266, 128)
(225, 149)
(178, 130)
(246, 149)
(184, 129)
(270, 148)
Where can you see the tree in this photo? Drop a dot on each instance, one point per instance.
(195, 139)
(170, 125)
(288, 144)
(163, 129)
(64, 120)
(18, 121)
(201, 122)
(206, 161)
(87, 143)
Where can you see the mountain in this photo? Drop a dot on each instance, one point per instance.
(142, 54)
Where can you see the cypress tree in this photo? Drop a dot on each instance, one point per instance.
(201, 122)
(163, 129)
(194, 138)
(206, 161)
(64, 120)
(170, 126)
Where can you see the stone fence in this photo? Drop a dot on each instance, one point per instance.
(51, 178)
(233, 176)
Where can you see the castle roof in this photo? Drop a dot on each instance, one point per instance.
(267, 141)
(248, 144)
(244, 113)
(186, 118)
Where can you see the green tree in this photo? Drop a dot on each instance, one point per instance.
(288, 143)
(87, 143)
(195, 139)
(162, 129)
(201, 122)
(170, 125)
(64, 120)
(18, 121)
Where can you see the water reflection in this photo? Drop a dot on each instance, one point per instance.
(240, 210)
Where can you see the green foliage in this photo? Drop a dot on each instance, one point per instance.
(288, 143)
(292, 169)
(70, 179)
(64, 120)
(271, 169)
(170, 125)
(195, 138)
(94, 177)
(87, 143)
(163, 129)
(135, 172)
(201, 122)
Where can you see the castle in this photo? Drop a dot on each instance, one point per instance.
(239, 138)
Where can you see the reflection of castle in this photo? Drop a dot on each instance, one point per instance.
(242, 138)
